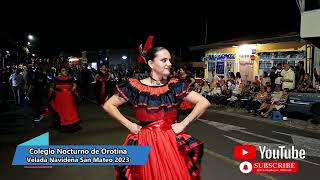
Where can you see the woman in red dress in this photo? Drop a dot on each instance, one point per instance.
(103, 85)
(174, 155)
(186, 106)
(63, 102)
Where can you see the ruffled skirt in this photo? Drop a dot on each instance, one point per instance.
(172, 156)
(65, 106)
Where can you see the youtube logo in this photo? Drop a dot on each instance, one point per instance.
(244, 152)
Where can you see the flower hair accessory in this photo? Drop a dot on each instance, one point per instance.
(144, 51)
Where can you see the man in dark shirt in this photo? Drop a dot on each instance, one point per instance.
(86, 79)
(273, 77)
(301, 73)
(36, 91)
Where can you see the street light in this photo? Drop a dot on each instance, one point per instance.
(124, 57)
(30, 37)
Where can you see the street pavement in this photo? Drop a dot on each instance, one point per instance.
(220, 132)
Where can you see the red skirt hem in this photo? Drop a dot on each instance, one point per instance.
(189, 149)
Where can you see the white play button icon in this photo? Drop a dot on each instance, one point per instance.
(244, 152)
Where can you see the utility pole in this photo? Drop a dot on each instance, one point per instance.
(17, 53)
(206, 30)
(2, 59)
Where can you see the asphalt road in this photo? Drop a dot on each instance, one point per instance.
(219, 132)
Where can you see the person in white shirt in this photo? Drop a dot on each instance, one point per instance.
(213, 79)
(288, 78)
(239, 83)
(16, 81)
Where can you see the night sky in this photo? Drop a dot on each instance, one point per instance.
(172, 26)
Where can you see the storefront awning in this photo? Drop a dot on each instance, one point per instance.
(224, 44)
(280, 45)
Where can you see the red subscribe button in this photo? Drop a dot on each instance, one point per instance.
(269, 167)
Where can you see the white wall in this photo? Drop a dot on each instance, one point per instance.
(310, 24)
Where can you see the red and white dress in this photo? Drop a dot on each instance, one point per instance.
(172, 156)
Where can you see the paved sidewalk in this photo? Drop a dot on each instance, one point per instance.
(290, 123)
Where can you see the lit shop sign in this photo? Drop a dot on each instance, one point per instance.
(283, 55)
(74, 60)
(221, 57)
(247, 49)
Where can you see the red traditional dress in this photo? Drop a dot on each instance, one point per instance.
(185, 105)
(172, 156)
(64, 104)
(103, 87)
